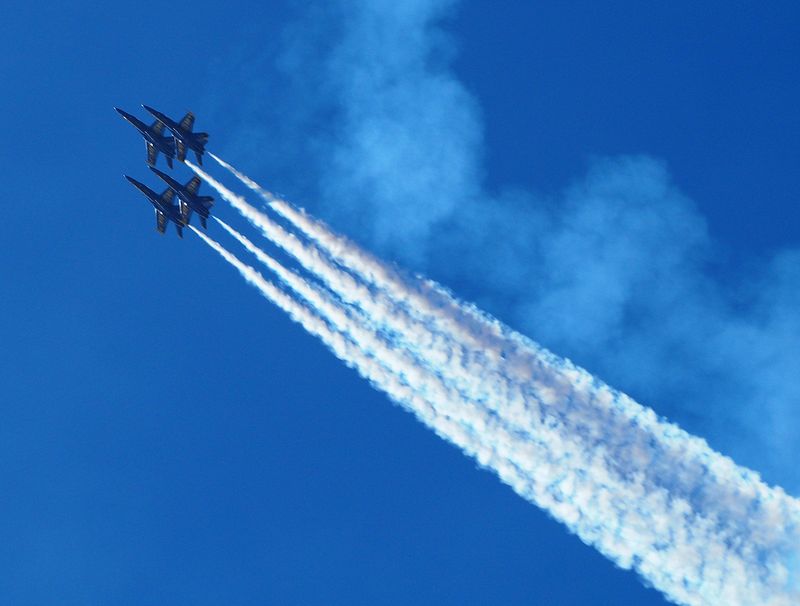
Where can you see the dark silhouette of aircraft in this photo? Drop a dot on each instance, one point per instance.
(166, 210)
(189, 201)
(181, 131)
(154, 139)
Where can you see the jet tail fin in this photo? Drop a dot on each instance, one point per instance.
(203, 222)
(199, 156)
(169, 161)
(180, 231)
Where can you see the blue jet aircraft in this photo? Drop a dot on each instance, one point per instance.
(188, 199)
(154, 139)
(165, 208)
(183, 135)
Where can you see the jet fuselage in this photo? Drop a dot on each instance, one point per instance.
(163, 144)
(170, 211)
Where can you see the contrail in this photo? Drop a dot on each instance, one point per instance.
(452, 427)
(345, 349)
(395, 347)
(645, 493)
(442, 395)
(492, 357)
(433, 347)
(323, 303)
(555, 465)
(556, 390)
(422, 296)
(380, 311)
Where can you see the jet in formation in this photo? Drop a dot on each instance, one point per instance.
(166, 209)
(182, 139)
(181, 131)
(189, 200)
(154, 138)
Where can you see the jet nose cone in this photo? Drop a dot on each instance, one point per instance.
(151, 111)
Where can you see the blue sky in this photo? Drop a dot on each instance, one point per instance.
(170, 437)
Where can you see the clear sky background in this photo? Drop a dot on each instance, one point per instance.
(169, 437)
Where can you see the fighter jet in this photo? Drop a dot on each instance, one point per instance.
(182, 132)
(165, 208)
(187, 195)
(154, 139)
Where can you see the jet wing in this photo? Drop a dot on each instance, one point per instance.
(193, 185)
(152, 153)
(187, 122)
(157, 127)
(161, 221)
(181, 150)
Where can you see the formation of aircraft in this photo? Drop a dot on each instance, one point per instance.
(175, 146)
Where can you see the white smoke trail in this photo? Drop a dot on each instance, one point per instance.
(402, 364)
(491, 360)
(652, 497)
(433, 348)
(447, 419)
(367, 321)
(345, 348)
(544, 471)
(572, 397)
(376, 306)
(397, 361)
(423, 297)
